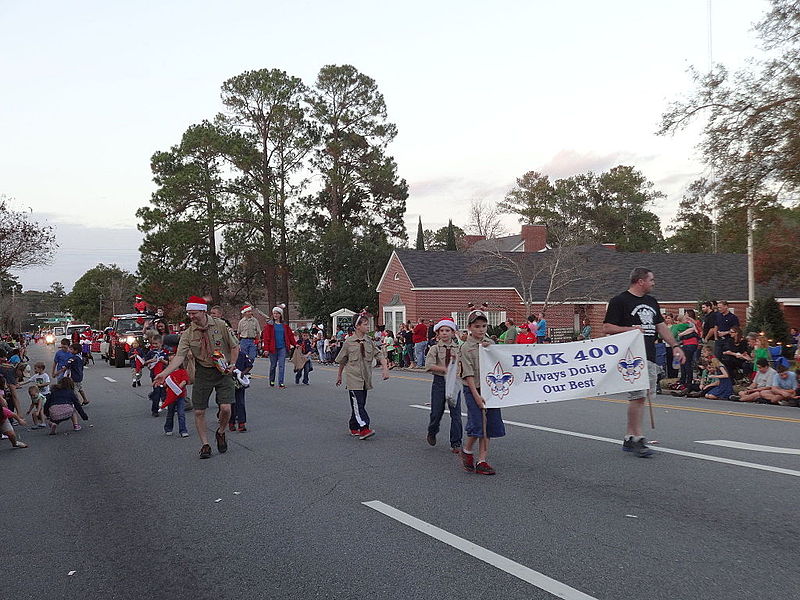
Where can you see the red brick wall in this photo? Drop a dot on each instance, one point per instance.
(402, 286)
(534, 237)
(792, 315)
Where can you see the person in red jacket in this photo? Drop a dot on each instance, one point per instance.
(277, 339)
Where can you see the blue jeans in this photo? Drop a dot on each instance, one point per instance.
(157, 396)
(303, 372)
(438, 402)
(170, 422)
(277, 359)
(238, 412)
(419, 353)
(248, 346)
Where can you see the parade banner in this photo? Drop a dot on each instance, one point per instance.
(514, 374)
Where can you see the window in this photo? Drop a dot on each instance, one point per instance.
(393, 317)
(397, 276)
(495, 318)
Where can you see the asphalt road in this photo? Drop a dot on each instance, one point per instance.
(136, 514)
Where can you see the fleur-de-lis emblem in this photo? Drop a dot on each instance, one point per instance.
(630, 367)
(499, 381)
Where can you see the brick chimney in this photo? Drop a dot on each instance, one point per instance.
(469, 240)
(610, 246)
(534, 237)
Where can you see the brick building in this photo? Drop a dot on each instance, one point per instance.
(432, 285)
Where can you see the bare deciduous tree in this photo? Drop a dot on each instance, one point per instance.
(485, 218)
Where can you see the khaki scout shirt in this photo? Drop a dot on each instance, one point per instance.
(220, 337)
(357, 368)
(468, 362)
(248, 328)
(437, 354)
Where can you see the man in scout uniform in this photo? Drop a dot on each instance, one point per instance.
(355, 359)
(205, 336)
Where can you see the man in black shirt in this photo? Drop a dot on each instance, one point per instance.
(725, 321)
(636, 309)
(709, 320)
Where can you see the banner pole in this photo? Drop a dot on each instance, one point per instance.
(650, 404)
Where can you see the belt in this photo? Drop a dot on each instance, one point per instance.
(248, 338)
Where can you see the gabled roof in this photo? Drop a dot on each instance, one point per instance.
(508, 243)
(679, 277)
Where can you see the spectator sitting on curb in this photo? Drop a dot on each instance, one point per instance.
(761, 382)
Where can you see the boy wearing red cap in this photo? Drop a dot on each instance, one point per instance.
(437, 361)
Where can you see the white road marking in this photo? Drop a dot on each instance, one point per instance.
(753, 447)
(708, 457)
(109, 379)
(541, 581)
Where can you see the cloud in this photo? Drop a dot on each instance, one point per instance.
(81, 248)
(566, 163)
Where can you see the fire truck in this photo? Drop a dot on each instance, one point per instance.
(123, 330)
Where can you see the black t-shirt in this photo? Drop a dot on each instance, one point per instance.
(628, 310)
(709, 321)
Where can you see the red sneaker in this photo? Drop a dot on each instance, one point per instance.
(231, 427)
(366, 433)
(242, 427)
(355, 432)
(483, 468)
(468, 461)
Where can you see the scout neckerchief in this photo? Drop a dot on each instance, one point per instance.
(205, 342)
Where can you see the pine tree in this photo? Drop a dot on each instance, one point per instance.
(451, 237)
(768, 317)
(420, 236)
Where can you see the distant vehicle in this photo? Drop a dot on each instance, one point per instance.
(49, 338)
(59, 331)
(79, 327)
(125, 329)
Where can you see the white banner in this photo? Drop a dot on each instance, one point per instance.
(513, 374)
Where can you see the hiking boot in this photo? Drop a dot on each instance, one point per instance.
(366, 433)
(205, 451)
(222, 445)
(432, 439)
(483, 468)
(468, 461)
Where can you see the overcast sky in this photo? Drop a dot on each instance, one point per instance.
(481, 92)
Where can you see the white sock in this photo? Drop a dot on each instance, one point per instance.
(467, 451)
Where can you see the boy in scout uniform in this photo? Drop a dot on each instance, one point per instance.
(203, 337)
(482, 423)
(355, 360)
(437, 361)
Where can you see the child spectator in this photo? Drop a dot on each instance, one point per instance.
(60, 359)
(155, 360)
(722, 385)
(61, 405)
(242, 368)
(8, 430)
(765, 375)
(74, 370)
(437, 361)
(137, 357)
(86, 351)
(304, 349)
(40, 378)
(36, 409)
(482, 423)
(175, 401)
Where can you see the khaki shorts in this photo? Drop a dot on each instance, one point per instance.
(652, 373)
(207, 380)
(78, 385)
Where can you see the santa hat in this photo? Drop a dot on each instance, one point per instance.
(138, 297)
(173, 386)
(279, 308)
(246, 308)
(446, 322)
(196, 303)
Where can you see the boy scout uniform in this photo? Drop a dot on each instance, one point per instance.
(441, 355)
(468, 359)
(207, 377)
(358, 367)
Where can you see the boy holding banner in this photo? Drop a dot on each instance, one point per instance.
(438, 361)
(482, 423)
(636, 309)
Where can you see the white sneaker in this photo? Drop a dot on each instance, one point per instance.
(167, 433)
(184, 434)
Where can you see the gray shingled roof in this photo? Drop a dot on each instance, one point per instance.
(501, 244)
(679, 277)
